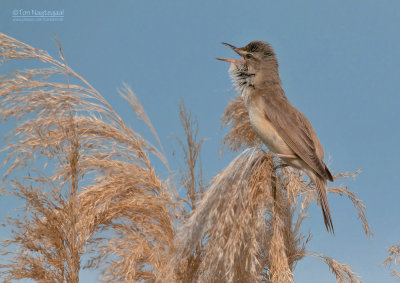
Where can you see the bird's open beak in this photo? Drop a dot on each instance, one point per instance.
(234, 61)
(237, 50)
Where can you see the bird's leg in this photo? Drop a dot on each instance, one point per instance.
(283, 165)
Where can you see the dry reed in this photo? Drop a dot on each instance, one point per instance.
(248, 222)
(342, 271)
(191, 175)
(102, 197)
(101, 180)
(393, 258)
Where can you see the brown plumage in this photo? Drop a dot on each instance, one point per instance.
(283, 128)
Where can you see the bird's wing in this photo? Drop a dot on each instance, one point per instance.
(295, 130)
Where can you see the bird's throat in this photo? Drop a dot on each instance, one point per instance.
(242, 79)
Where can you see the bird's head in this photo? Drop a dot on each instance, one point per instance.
(259, 60)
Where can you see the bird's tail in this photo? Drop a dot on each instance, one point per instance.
(321, 189)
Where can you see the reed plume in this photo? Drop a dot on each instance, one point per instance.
(250, 218)
(393, 258)
(87, 175)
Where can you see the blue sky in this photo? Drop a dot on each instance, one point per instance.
(339, 63)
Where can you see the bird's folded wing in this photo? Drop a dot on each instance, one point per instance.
(294, 129)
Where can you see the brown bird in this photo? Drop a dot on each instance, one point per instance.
(281, 127)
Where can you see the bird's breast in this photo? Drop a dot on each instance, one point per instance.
(265, 130)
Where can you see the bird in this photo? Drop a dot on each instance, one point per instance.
(280, 126)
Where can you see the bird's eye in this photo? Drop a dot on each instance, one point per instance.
(249, 56)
